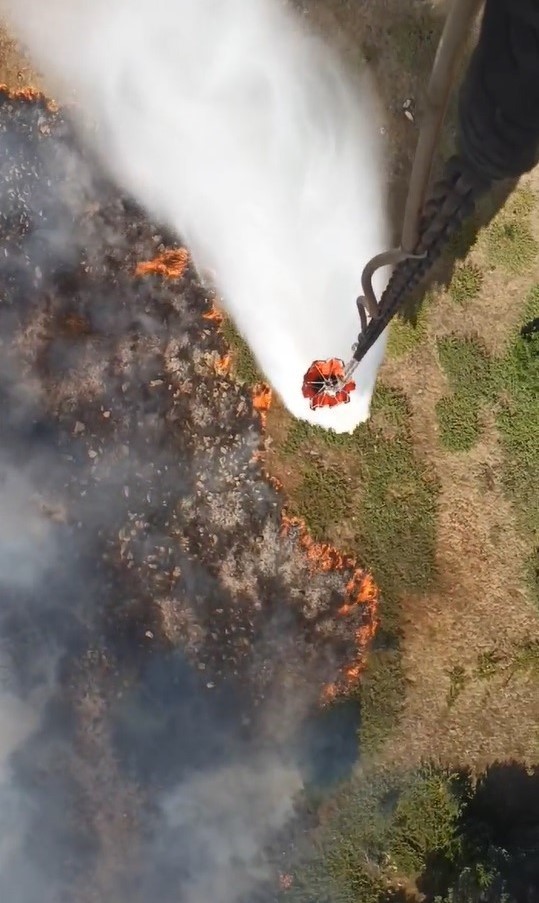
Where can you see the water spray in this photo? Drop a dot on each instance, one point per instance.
(239, 130)
(329, 383)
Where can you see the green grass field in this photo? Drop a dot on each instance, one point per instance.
(378, 494)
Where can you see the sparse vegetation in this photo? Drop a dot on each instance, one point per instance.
(466, 283)
(487, 664)
(458, 419)
(243, 363)
(324, 499)
(405, 335)
(511, 245)
(526, 658)
(522, 202)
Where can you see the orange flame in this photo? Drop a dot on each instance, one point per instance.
(171, 264)
(32, 95)
(214, 315)
(262, 397)
(222, 365)
(361, 590)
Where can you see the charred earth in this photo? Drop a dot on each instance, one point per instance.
(168, 634)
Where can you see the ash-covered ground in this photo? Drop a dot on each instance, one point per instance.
(163, 644)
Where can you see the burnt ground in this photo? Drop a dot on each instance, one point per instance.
(154, 615)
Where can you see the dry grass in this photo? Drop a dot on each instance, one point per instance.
(15, 68)
(480, 598)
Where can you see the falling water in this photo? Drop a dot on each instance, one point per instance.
(239, 129)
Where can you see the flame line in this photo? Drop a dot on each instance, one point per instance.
(361, 590)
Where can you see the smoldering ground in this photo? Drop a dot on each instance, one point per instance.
(162, 641)
(237, 126)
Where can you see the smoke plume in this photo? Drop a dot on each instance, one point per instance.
(232, 124)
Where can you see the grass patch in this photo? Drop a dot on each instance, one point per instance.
(526, 658)
(323, 500)
(522, 202)
(511, 386)
(395, 509)
(511, 245)
(302, 437)
(518, 425)
(382, 825)
(468, 367)
(518, 419)
(466, 283)
(244, 365)
(381, 696)
(458, 420)
(474, 378)
(397, 531)
(404, 336)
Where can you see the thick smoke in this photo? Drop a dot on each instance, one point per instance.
(237, 128)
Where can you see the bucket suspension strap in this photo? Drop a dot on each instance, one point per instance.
(426, 227)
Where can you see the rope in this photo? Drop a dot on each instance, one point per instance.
(453, 199)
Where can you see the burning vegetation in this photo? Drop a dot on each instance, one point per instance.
(116, 385)
(361, 594)
(172, 264)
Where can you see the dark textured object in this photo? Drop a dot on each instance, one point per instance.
(499, 101)
(452, 201)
